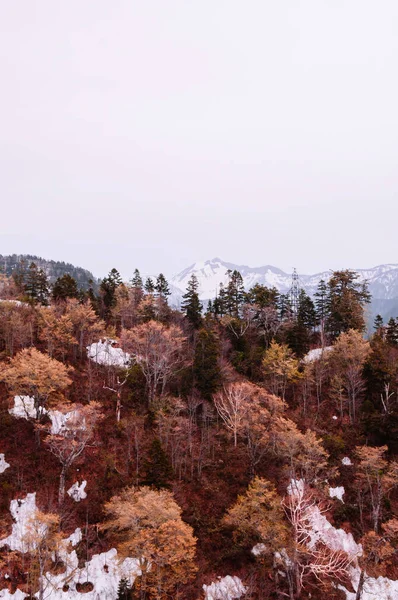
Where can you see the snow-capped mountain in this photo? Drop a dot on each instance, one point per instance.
(383, 280)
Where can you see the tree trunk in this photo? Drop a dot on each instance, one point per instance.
(360, 585)
(61, 489)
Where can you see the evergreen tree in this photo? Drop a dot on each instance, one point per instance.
(108, 289)
(136, 281)
(210, 308)
(392, 332)
(162, 287)
(158, 469)
(235, 293)
(263, 296)
(149, 286)
(346, 300)
(65, 287)
(191, 305)
(285, 308)
(378, 323)
(306, 313)
(36, 285)
(206, 367)
(124, 590)
(220, 302)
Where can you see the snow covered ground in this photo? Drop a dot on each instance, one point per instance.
(316, 354)
(3, 463)
(337, 492)
(105, 353)
(226, 588)
(24, 408)
(77, 491)
(103, 571)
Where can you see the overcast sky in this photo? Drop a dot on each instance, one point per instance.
(154, 133)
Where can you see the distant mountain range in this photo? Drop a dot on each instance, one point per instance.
(383, 282)
(383, 279)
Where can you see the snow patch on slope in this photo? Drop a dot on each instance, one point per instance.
(3, 463)
(24, 408)
(77, 491)
(226, 588)
(106, 353)
(337, 492)
(103, 571)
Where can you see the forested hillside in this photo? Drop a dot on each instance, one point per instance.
(242, 449)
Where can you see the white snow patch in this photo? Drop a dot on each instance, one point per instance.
(380, 588)
(105, 353)
(104, 570)
(24, 408)
(296, 486)
(21, 510)
(226, 588)
(335, 539)
(334, 418)
(6, 595)
(337, 492)
(77, 491)
(259, 549)
(316, 354)
(346, 461)
(59, 420)
(3, 464)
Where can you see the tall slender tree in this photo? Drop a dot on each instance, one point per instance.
(191, 305)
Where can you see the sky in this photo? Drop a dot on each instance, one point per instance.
(156, 133)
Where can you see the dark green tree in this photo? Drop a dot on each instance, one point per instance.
(36, 285)
(206, 367)
(65, 287)
(220, 302)
(124, 590)
(285, 308)
(346, 301)
(234, 293)
(378, 322)
(149, 286)
(392, 332)
(108, 289)
(162, 287)
(157, 467)
(136, 281)
(191, 305)
(263, 296)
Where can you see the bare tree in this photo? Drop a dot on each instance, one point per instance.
(232, 405)
(73, 439)
(159, 352)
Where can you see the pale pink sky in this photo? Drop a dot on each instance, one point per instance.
(154, 133)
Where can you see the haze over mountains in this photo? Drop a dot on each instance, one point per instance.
(382, 279)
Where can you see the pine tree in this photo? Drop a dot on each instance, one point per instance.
(206, 366)
(36, 286)
(136, 281)
(124, 590)
(162, 287)
(65, 287)
(191, 305)
(378, 323)
(158, 469)
(149, 286)
(220, 302)
(263, 296)
(235, 293)
(392, 332)
(285, 308)
(346, 300)
(107, 289)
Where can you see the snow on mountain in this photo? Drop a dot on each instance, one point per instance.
(383, 279)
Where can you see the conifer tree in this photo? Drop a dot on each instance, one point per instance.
(191, 305)
(392, 332)
(378, 322)
(235, 293)
(65, 287)
(36, 285)
(207, 372)
(346, 300)
(136, 280)
(158, 469)
(162, 287)
(124, 590)
(108, 289)
(149, 286)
